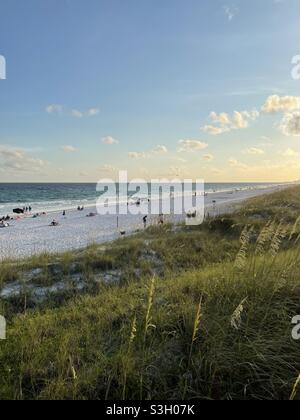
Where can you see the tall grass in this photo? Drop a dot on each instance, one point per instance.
(158, 340)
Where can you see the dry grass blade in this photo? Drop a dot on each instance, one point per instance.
(197, 322)
(295, 389)
(149, 307)
(236, 318)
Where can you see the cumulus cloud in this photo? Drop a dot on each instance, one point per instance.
(137, 155)
(191, 145)
(92, 112)
(54, 109)
(77, 114)
(290, 124)
(290, 153)
(160, 150)
(276, 103)
(19, 160)
(234, 163)
(109, 140)
(107, 169)
(69, 149)
(208, 157)
(254, 151)
(230, 12)
(223, 123)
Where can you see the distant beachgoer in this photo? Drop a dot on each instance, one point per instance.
(64, 212)
(30, 208)
(3, 224)
(145, 221)
(54, 223)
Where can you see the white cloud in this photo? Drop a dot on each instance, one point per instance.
(137, 155)
(234, 163)
(69, 149)
(290, 153)
(77, 114)
(179, 159)
(222, 123)
(107, 169)
(208, 157)
(214, 131)
(276, 103)
(230, 12)
(160, 149)
(60, 109)
(290, 124)
(191, 145)
(54, 109)
(254, 151)
(18, 160)
(93, 112)
(109, 140)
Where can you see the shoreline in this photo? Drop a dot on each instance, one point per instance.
(30, 236)
(6, 208)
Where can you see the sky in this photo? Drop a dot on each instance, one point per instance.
(199, 88)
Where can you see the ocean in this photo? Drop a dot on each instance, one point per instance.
(57, 197)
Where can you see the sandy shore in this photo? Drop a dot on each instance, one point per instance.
(29, 236)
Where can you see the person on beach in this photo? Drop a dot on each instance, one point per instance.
(64, 213)
(145, 221)
(54, 223)
(91, 215)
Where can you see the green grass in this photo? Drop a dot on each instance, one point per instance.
(197, 313)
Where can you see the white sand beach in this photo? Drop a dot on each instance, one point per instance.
(29, 236)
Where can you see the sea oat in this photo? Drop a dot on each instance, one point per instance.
(264, 237)
(278, 237)
(236, 318)
(241, 257)
(295, 227)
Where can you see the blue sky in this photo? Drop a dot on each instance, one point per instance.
(94, 86)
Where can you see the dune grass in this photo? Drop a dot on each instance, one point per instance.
(198, 313)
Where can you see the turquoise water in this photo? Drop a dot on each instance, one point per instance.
(52, 197)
